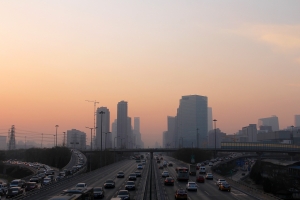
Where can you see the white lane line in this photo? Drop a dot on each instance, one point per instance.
(206, 192)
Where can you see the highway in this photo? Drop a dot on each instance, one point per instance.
(207, 190)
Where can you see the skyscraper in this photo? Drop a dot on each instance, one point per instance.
(297, 120)
(171, 131)
(192, 121)
(106, 137)
(122, 123)
(209, 119)
(114, 132)
(269, 121)
(137, 133)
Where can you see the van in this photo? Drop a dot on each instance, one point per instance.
(202, 170)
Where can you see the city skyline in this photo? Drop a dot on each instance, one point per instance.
(244, 56)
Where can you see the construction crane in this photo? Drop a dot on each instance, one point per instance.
(95, 102)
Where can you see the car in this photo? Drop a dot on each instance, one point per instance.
(169, 181)
(138, 173)
(224, 186)
(209, 176)
(170, 164)
(160, 167)
(191, 186)
(81, 185)
(123, 194)
(46, 181)
(181, 194)
(202, 170)
(158, 161)
(98, 192)
(17, 183)
(14, 191)
(109, 183)
(200, 179)
(120, 174)
(219, 181)
(130, 185)
(132, 176)
(3, 189)
(165, 174)
(35, 179)
(139, 166)
(30, 186)
(210, 164)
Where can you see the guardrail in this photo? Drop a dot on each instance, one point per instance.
(143, 183)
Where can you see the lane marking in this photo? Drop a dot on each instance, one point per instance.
(206, 192)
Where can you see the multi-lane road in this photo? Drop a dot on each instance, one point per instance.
(207, 190)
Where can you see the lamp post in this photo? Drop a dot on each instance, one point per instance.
(197, 138)
(56, 133)
(215, 122)
(101, 113)
(292, 135)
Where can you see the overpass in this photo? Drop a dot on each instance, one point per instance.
(225, 147)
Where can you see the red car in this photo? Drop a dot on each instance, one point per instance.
(200, 179)
(181, 194)
(31, 186)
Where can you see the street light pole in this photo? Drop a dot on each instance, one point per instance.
(197, 138)
(292, 136)
(101, 113)
(56, 133)
(215, 121)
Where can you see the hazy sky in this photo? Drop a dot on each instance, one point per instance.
(243, 55)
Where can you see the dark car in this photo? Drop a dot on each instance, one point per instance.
(181, 194)
(35, 179)
(31, 186)
(224, 186)
(200, 179)
(109, 184)
(138, 173)
(14, 191)
(130, 185)
(169, 181)
(132, 176)
(123, 194)
(120, 174)
(98, 193)
(170, 164)
(160, 167)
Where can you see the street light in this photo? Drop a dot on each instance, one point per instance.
(292, 135)
(215, 121)
(56, 133)
(101, 113)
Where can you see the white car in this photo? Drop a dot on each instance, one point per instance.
(210, 164)
(165, 174)
(191, 186)
(139, 166)
(209, 176)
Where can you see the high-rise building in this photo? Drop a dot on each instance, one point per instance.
(250, 132)
(103, 122)
(122, 123)
(269, 121)
(137, 133)
(114, 132)
(171, 131)
(192, 121)
(76, 139)
(297, 121)
(130, 136)
(209, 119)
(215, 137)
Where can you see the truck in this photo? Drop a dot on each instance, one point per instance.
(193, 170)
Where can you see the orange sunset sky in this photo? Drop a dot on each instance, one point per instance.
(243, 55)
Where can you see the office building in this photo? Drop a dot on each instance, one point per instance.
(171, 131)
(114, 132)
(122, 123)
(76, 139)
(250, 132)
(103, 125)
(137, 133)
(269, 121)
(209, 119)
(297, 121)
(215, 137)
(192, 122)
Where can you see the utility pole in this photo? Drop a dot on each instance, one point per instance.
(95, 113)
